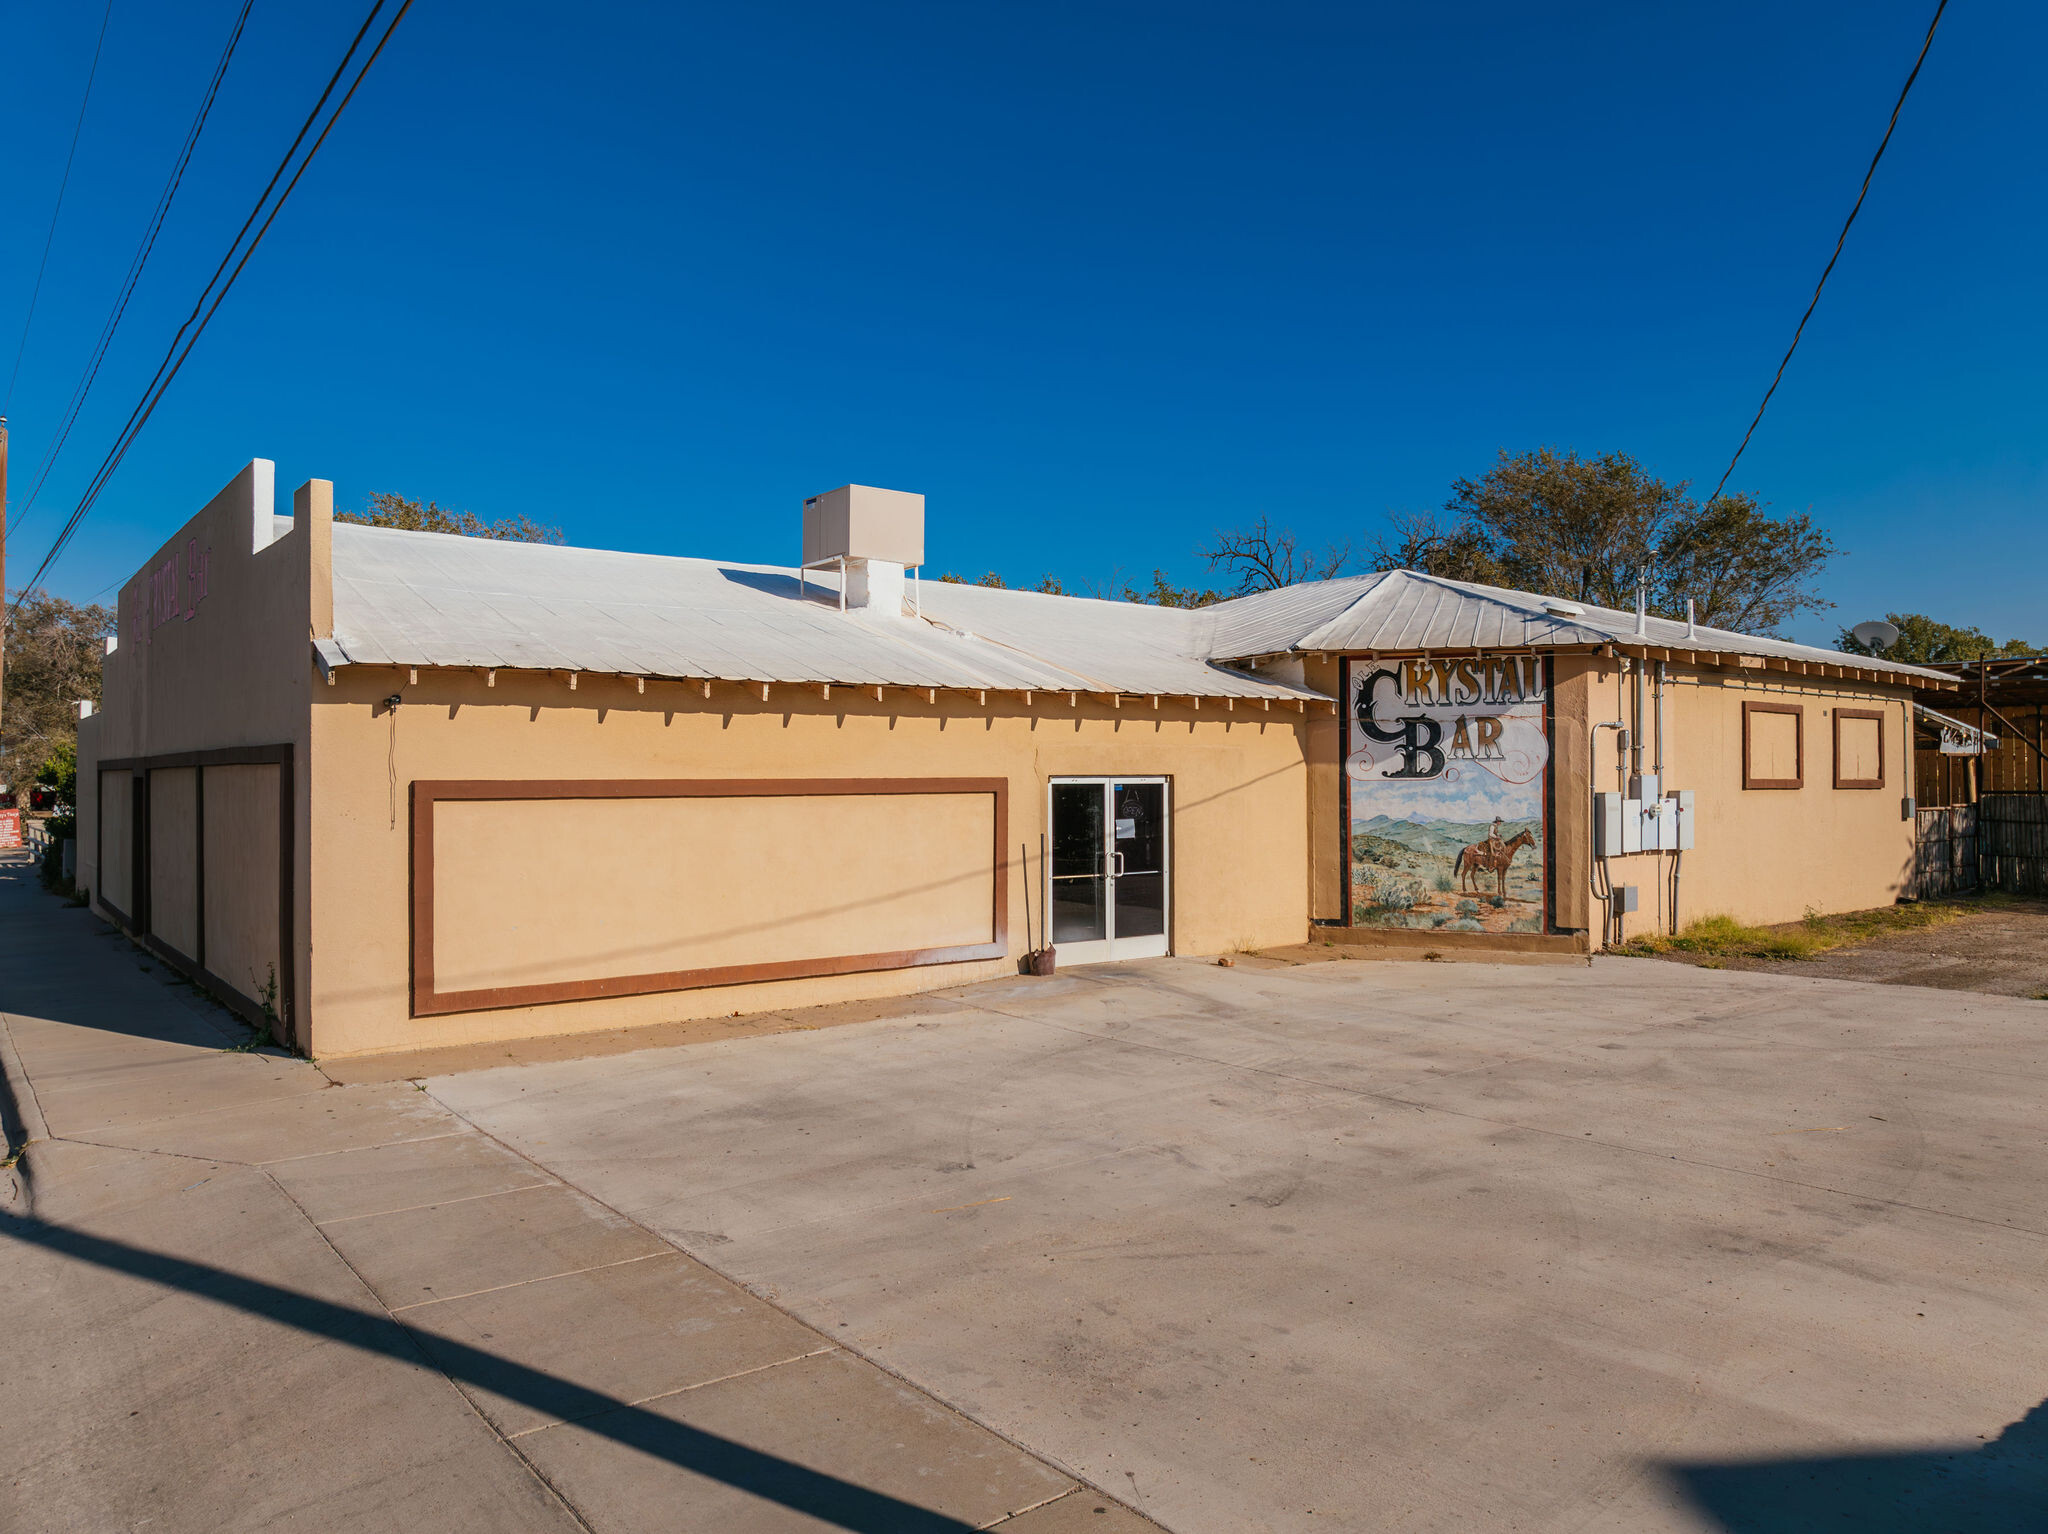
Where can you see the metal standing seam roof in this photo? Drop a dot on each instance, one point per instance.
(433, 599)
(1405, 610)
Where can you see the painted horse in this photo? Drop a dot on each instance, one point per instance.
(1480, 859)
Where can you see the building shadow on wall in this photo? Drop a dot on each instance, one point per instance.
(1999, 1487)
(828, 1499)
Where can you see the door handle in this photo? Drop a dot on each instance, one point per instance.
(1117, 872)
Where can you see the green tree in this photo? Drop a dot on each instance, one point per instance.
(1923, 640)
(1591, 529)
(60, 776)
(1163, 593)
(388, 510)
(54, 649)
(1419, 540)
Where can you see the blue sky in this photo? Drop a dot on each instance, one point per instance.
(1096, 278)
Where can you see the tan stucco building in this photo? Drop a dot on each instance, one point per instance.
(400, 790)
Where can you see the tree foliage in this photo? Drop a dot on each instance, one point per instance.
(54, 648)
(1590, 529)
(1924, 640)
(388, 510)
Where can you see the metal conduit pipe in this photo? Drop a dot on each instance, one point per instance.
(1635, 749)
(1597, 866)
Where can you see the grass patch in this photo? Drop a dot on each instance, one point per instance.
(1723, 937)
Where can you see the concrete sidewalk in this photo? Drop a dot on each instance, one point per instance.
(238, 1296)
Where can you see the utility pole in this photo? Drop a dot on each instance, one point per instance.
(3, 567)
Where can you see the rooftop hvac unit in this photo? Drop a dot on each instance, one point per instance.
(862, 522)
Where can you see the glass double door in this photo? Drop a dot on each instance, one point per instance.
(1109, 871)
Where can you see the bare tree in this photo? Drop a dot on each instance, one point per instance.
(1263, 557)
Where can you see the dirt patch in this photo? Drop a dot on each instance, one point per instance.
(1998, 946)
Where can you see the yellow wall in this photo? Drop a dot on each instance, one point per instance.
(1239, 794)
(1329, 838)
(540, 891)
(1764, 855)
(1761, 855)
(214, 649)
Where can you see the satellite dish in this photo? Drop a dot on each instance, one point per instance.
(1875, 635)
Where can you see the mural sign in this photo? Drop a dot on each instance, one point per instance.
(1448, 762)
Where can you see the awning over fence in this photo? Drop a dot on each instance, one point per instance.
(1953, 736)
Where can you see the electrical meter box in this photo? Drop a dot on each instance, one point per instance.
(1623, 824)
(1606, 825)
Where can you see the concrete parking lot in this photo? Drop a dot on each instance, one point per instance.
(1389, 1246)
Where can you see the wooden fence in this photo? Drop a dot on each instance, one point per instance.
(1945, 859)
(2012, 840)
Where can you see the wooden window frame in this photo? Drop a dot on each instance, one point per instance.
(428, 1001)
(1798, 713)
(1859, 713)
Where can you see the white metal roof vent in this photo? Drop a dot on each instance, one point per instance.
(1558, 607)
(871, 537)
(861, 522)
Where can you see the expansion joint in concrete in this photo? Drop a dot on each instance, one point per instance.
(426, 1361)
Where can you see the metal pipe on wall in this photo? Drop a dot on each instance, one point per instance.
(1597, 865)
(1635, 750)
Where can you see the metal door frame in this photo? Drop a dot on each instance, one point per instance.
(1108, 942)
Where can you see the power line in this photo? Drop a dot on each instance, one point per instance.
(143, 250)
(210, 298)
(1840, 239)
(63, 184)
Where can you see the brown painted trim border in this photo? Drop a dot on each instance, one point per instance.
(1859, 713)
(1798, 713)
(427, 1001)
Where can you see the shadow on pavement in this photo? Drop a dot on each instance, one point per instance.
(1994, 1488)
(768, 1476)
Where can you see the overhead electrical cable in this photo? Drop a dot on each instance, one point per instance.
(230, 268)
(91, 372)
(1839, 241)
(63, 184)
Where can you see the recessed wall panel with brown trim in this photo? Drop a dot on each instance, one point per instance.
(173, 862)
(117, 848)
(1773, 745)
(235, 941)
(1859, 748)
(525, 893)
(239, 872)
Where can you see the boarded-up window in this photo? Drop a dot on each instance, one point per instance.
(1859, 748)
(576, 890)
(243, 878)
(1773, 747)
(174, 859)
(117, 844)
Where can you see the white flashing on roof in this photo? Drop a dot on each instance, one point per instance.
(432, 599)
(1405, 610)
